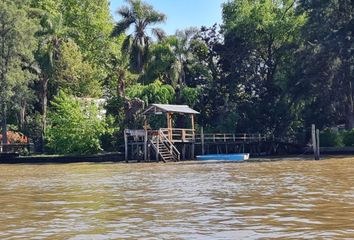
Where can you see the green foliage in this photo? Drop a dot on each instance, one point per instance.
(74, 126)
(171, 59)
(74, 74)
(348, 138)
(324, 66)
(155, 92)
(190, 96)
(93, 25)
(274, 66)
(261, 38)
(17, 43)
(141, 15)
(329, 138)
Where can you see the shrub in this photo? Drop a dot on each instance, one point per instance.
(15, 137)
(330, 138)
(74, 126)
(348, 138)
(155, 92)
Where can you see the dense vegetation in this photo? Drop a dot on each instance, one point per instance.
(272, 66)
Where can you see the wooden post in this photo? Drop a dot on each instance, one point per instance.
(149, 152)
(145, 123)
(192, 119)
(132, 151)
(184, 152)
(193, 128)
(169, 125)
(145, 145)
(202, 139)
(157, 148)
(313, 134)
(126, 145)
(318, 144)
(192, 151)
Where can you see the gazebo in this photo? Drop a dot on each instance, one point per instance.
(166, 142)
(173, 134)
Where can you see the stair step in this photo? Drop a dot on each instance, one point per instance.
(165, 152)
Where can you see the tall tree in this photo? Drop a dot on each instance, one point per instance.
(52, 35)
(17, 43)
(141, 16)
(325, 62)
(260, 39)
(92, 23)
(75, 75)
(170, 59)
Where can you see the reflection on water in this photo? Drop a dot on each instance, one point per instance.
(178, 201)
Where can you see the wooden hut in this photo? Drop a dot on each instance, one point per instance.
(166, 142)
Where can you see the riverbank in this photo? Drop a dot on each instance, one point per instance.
(38, 159)
(119, 157)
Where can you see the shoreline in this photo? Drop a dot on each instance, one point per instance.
(119, 158)
(53, 159)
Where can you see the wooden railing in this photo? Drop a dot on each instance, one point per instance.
(229, 137)
(173, 150)
(17, 148)
(179, 134)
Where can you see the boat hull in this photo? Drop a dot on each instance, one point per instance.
(224, 157)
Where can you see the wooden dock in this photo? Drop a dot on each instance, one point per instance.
(173, 143)
(179, 144)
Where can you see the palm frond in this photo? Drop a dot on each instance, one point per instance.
(155, 17)
(158, 33)
(125, 12)
(121, 27)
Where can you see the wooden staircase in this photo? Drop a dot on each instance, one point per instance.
(164, 148)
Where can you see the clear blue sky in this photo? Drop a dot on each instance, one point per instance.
(182, 14)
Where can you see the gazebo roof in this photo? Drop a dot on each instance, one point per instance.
(167, 108)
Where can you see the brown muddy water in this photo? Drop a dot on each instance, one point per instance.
(281, 200)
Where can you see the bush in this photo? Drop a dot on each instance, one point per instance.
(330, 138)
(74, 126)
(15, 137)
(348, 138)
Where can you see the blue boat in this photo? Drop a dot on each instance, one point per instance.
(224, 157)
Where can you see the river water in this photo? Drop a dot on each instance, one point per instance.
(279, 200)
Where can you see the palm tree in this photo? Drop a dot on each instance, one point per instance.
(170, 59)
(52, 35)
(183, 53)
(141, 16)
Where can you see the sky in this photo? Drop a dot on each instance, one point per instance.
(182, 14)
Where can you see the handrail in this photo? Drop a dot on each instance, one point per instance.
(219, 137)
(179, 134)
(173, 148)
(16, 147)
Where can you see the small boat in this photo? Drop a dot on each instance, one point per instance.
(224, 157)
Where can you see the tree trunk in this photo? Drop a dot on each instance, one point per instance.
(4, 123)
(22, 115)
(44, 96)
(349, 125)
(121, 83)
